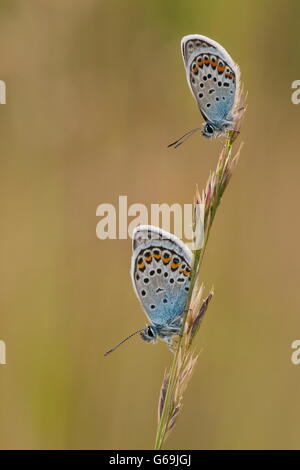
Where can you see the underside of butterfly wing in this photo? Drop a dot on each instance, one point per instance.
(213, 78)
(161, 268)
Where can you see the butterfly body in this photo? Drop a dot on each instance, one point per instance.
(160, 271)
(214, 79)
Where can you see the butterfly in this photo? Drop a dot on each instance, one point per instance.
(160, 272)
(214, 80)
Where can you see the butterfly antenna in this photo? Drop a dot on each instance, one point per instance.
(128, 337)
(183, 138)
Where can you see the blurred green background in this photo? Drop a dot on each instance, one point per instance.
(95, 92)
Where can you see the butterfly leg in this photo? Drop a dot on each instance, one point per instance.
(172, 344)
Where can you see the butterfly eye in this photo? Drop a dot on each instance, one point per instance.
(150, 332)
(208, 130)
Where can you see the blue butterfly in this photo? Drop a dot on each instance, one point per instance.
(160, 273)
(214, 80)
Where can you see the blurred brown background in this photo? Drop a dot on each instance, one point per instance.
(95, 92)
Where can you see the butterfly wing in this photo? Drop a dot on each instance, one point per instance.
(213, 77)
(160, 272)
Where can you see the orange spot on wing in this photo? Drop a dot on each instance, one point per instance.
(175, 265)
(148, 258)
(221, 69)
(166, 260)
(229, 75)
(187, 272)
